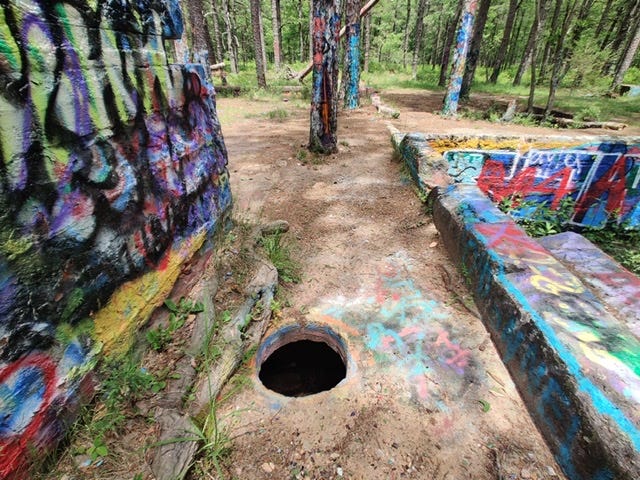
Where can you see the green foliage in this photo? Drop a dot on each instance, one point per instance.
(278, 114)
(537, 219)
(160, 337)
(278, 251)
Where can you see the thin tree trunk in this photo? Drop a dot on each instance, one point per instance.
(200, 38)
(311, 30)
(474, 48)
(504, 43)
(627, 59)
(532, 41)
(435, 53)
(538, 21)
(351, 66)
(277, 33)
(214, 22)
(448, 45)
(422, 5)
(324, 98)
(367, 42)
(301, 30)
(231, 48)
(263, 45)
(258, 42)
(548, 49)
(405, 40)
(463, 43)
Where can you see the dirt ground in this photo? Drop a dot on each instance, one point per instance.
(426, 395)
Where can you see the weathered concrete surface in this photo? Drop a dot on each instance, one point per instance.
(616, 286)
(576, 366)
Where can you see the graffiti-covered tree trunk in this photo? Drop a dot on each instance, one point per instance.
(351, 67)
(422, 6)
(474, 48)
(459, 58)
(324, 101)
(258, 43)
(504, 43)
(276, 24)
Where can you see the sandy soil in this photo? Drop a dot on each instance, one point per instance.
(426, 395)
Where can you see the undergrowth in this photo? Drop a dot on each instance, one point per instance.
(278, 251)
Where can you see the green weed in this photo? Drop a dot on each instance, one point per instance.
(279, 114)
(537, 219)
(160, 337)
(278, 251)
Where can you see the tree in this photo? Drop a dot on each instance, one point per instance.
(532, 42)
(405, 40)
(324, 101)
(232, 42)
(276, 25)
(422, 6)
(351, 66)
(627, 58)
(200, 38)
(367, 42)
(504, 43)
(258, 42)
(213, 19)
(460, 57)
(448, 45)
(474, 48)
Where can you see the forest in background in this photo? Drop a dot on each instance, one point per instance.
(587, 46)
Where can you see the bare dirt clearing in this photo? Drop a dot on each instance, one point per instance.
(426, 395)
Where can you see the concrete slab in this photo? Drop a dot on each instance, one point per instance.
(576, 366)
(617, 287)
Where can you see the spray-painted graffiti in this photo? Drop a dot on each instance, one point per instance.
(351, 72)
(463, 42)
(324, 100)
(407, 330)
(111, 163)
(109, 155)
(602, 180)
(560, 344)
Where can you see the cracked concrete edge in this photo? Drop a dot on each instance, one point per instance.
(590, 437)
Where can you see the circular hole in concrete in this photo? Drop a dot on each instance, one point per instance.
(301, 361)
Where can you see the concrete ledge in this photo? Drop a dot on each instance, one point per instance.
(616, 286)
(577, 367)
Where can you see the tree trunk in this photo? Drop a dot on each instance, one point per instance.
(548, 49)
(474, 48)
(231, 47)
(405, 40)
(536, 28)
(422, 5)
(532, 41)
(504, 43)
(258, 42)
(351, 66)
(263, 45)
(627, 59)
(463, 43)
(324, 100)
(448, 45)
(437, 47)
(311, 30)
(301, 35)
(277, 33)
(200, 38)
(560, 57)
(214, 22)
(367, 42)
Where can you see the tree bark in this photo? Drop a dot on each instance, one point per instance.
(627, 59)
(324, 101)
(276, 24)
(351, 66)
(474, 48)
(214, 22)
(532, 41)
(538, 21)
(367, 42)
(301, 22)
(463, 43)
(405, 40)
(258, 42)
(448, 45)
(422, 5)
(504, 43)
(231, 47)
(548, 49)
(200, 38)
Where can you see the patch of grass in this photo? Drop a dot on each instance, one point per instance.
(278, 114)
(278, 251)
(160, 337)
(537, 219)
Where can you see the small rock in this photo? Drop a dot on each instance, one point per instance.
(268, 467)
(433, 244)
(275, 227)
(551, 472)
(339, 471)
(525, 473)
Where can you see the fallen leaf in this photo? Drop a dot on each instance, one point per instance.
(433, 244)
(486, 406)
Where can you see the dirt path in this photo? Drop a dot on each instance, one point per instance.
(426, 395)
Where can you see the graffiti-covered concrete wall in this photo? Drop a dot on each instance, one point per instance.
(601, 177)
(112, 175)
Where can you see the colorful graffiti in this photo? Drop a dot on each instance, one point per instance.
(324, 98)
(112, 172)
(562, 347)
(406, 330)
(351, 70)
(601, 179)
(463, 42)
